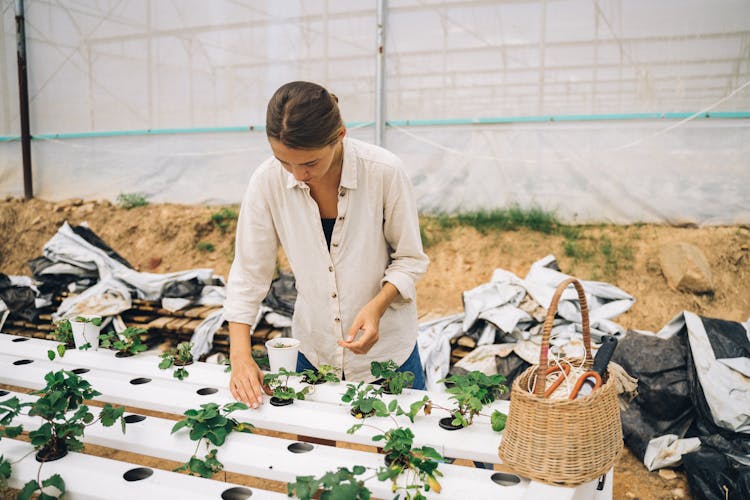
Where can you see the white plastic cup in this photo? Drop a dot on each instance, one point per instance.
(84, 332)
(282, 353)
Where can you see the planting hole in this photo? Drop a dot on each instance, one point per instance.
(237, 493)
(140, 380)
(20, 339)
(207, 390)
(23, 362)
(504, 479)
(300, 447)
(138, 473)
(132, 419)
(3, 393)
(79, 371)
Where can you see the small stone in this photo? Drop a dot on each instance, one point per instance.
(154, 262)
(667, 474)
(36, 220)
(678, 493)
(629, 494)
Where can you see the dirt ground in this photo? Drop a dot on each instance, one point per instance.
(163, 238)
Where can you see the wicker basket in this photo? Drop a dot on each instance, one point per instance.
(561, 442)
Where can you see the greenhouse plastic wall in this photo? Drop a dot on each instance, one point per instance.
(597, 110)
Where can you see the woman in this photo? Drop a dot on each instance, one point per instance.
(344, 212)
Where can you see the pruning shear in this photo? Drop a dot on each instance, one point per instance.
(592, 379)
(565, 369)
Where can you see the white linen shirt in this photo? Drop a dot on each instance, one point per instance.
(375, 239)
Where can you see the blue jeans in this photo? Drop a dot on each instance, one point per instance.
(412, 364)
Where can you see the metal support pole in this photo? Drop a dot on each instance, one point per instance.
(23, 95)
(380, 76)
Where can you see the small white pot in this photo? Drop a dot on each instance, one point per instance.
(282, 353)
(84, 333)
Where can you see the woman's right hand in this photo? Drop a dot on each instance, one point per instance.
(246, 382)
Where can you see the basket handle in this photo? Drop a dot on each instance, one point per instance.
(541, 378)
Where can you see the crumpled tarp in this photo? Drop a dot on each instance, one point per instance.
(509, 309)
(117, 281)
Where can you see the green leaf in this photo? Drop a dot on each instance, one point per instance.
(498, 420)
(56, 481)
(11, 432)
(28, 490)
(166, 363)
(61, 349)
(51, 354)
(179, 425)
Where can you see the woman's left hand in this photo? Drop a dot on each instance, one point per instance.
(367, 320)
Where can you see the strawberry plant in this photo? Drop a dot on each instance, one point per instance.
(324, 373)
(180, 357)
(210, 423)
(393, 381)
(418, 466)
(471, 392)
(341, 484)
(276, 385)
(127, 343)
(65, 417)
(364, 400)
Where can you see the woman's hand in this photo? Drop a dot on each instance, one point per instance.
(368, 320)
(246, 382)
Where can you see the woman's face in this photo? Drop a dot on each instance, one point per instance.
(307, 165)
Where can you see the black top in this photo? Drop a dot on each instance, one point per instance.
(328, 229)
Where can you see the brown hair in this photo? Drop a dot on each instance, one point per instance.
(303, 115)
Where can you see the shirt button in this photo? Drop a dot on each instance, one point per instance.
(341, 218)
(333, 295)
(337, 320)
(330, 269)
(335, 244)
(342, 192)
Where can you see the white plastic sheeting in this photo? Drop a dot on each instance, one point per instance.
(143, 65)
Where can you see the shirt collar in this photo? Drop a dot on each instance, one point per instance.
(348, 170)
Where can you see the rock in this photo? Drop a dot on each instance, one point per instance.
(153, 262)
(678, 493)
(685, 268)
(667, 474)
(629, 494)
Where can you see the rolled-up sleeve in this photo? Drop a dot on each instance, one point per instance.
(401, 229)
(256, 246)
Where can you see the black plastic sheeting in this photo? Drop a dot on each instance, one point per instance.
(671, 401)
(20, 300)
(282, 294)
(663, 405)
(183, 289)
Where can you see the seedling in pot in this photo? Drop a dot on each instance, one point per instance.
(179, 357)
(127, 343)
(341, 484)
(394, 382)
(324, 373)
(471, 392)
(276, 385)
(60, 406)
(365, 400)
(86, 331)
(210, 423)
